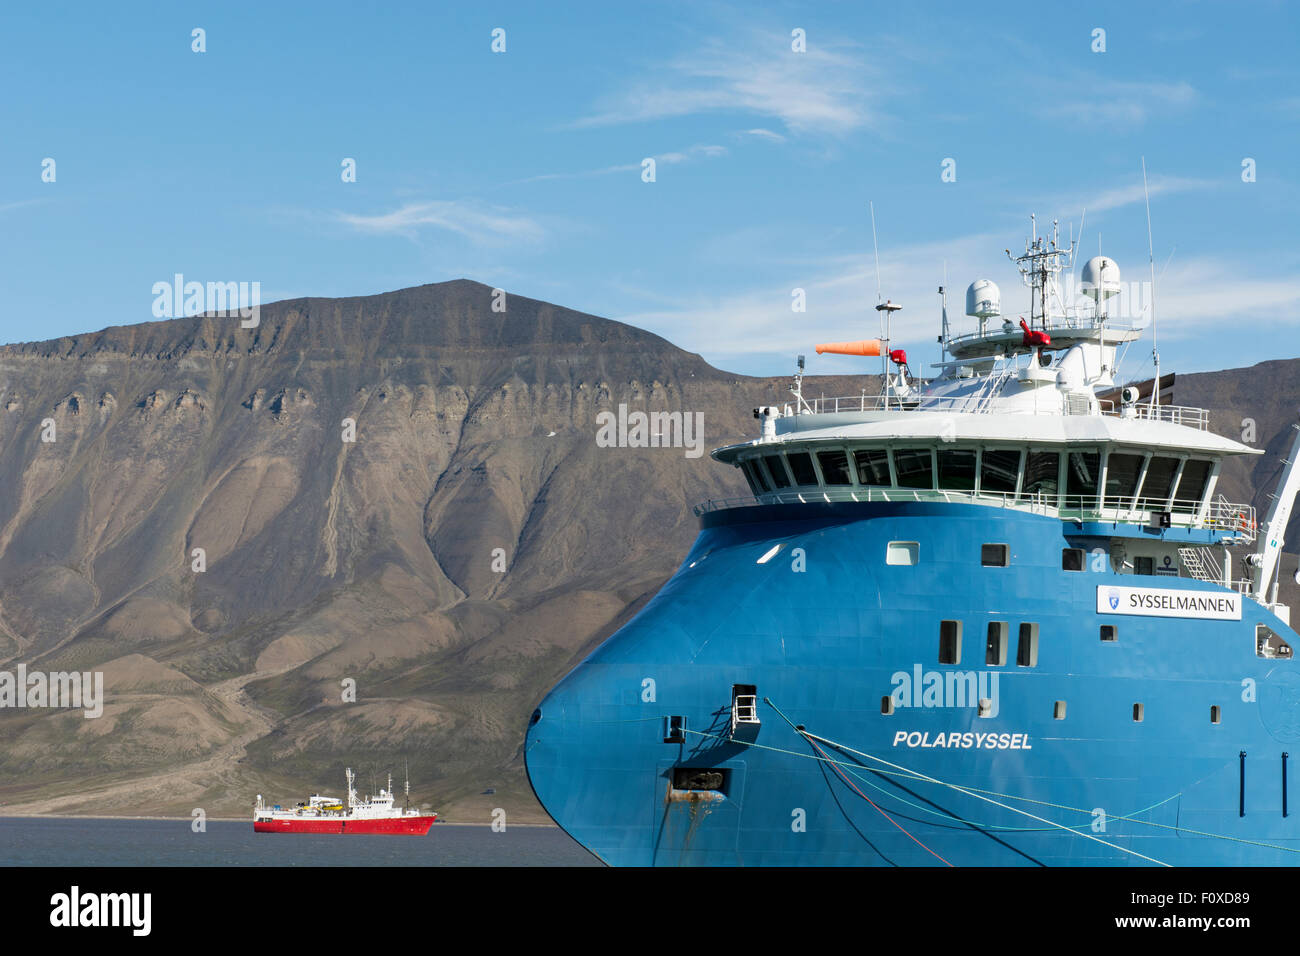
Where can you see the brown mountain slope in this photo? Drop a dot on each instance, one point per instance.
(451, 561)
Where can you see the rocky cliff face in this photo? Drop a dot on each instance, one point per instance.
(369, 531)
(402, 491)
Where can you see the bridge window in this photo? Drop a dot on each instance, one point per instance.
(760, 475)
(835, 467)
(995, 648)
(1191, 487)
(1042, 474)
(1081, 476)
(950, 642)
(915, 467)
(1122, 473)
(957, 469)
(994, 555)
(1145, 565)
(1269, 644)
(1072, 559)
(747, 469)
(801, 467)
(1027, 650)
(902, 552)
(999, 471)
(776, 468)
(1159, 482)
(873, 467)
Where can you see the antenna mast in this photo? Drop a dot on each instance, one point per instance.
(1151, 256)
(884, 334)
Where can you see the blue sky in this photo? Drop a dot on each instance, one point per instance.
(523, 169)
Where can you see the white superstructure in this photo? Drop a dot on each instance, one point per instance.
(1026, 412)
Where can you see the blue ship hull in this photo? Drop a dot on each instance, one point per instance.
(1059, 773)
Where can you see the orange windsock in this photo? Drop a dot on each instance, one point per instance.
(864, 347)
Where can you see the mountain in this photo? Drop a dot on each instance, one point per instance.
(453, 560)
(445, 567)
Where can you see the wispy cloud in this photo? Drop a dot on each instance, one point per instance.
(1104, 103)
(766, 134)
(662, 159)
(823, 90)
(1134, 193)
(478, 222)
(19, 204)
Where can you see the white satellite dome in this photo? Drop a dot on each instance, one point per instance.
(1100, 278)
(983, 299)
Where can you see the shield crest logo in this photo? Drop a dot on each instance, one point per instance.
(1113, 597)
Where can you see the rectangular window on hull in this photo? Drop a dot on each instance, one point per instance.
(994, 555)
(873, 467)
(995, 648)
(915, 467)
(902, 552)
(1027, 650)
(835, 467)
(1072, 559)
(776, 468)
(1144, 565)
(950, 642)
(1108, 632)
(801, 467)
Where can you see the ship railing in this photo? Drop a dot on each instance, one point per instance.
(1074, 322)
(980, 402)
(1235, 521)
(1188, 415)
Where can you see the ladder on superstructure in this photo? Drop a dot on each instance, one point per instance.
(994, 386)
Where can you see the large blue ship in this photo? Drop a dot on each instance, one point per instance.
(989, 619)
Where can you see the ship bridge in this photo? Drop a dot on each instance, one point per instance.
(1025, 416)
(1148, 470)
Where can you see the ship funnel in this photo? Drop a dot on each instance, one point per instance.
(863, 347)
(983, 299)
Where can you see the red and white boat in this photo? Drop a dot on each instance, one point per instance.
(328, 815)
